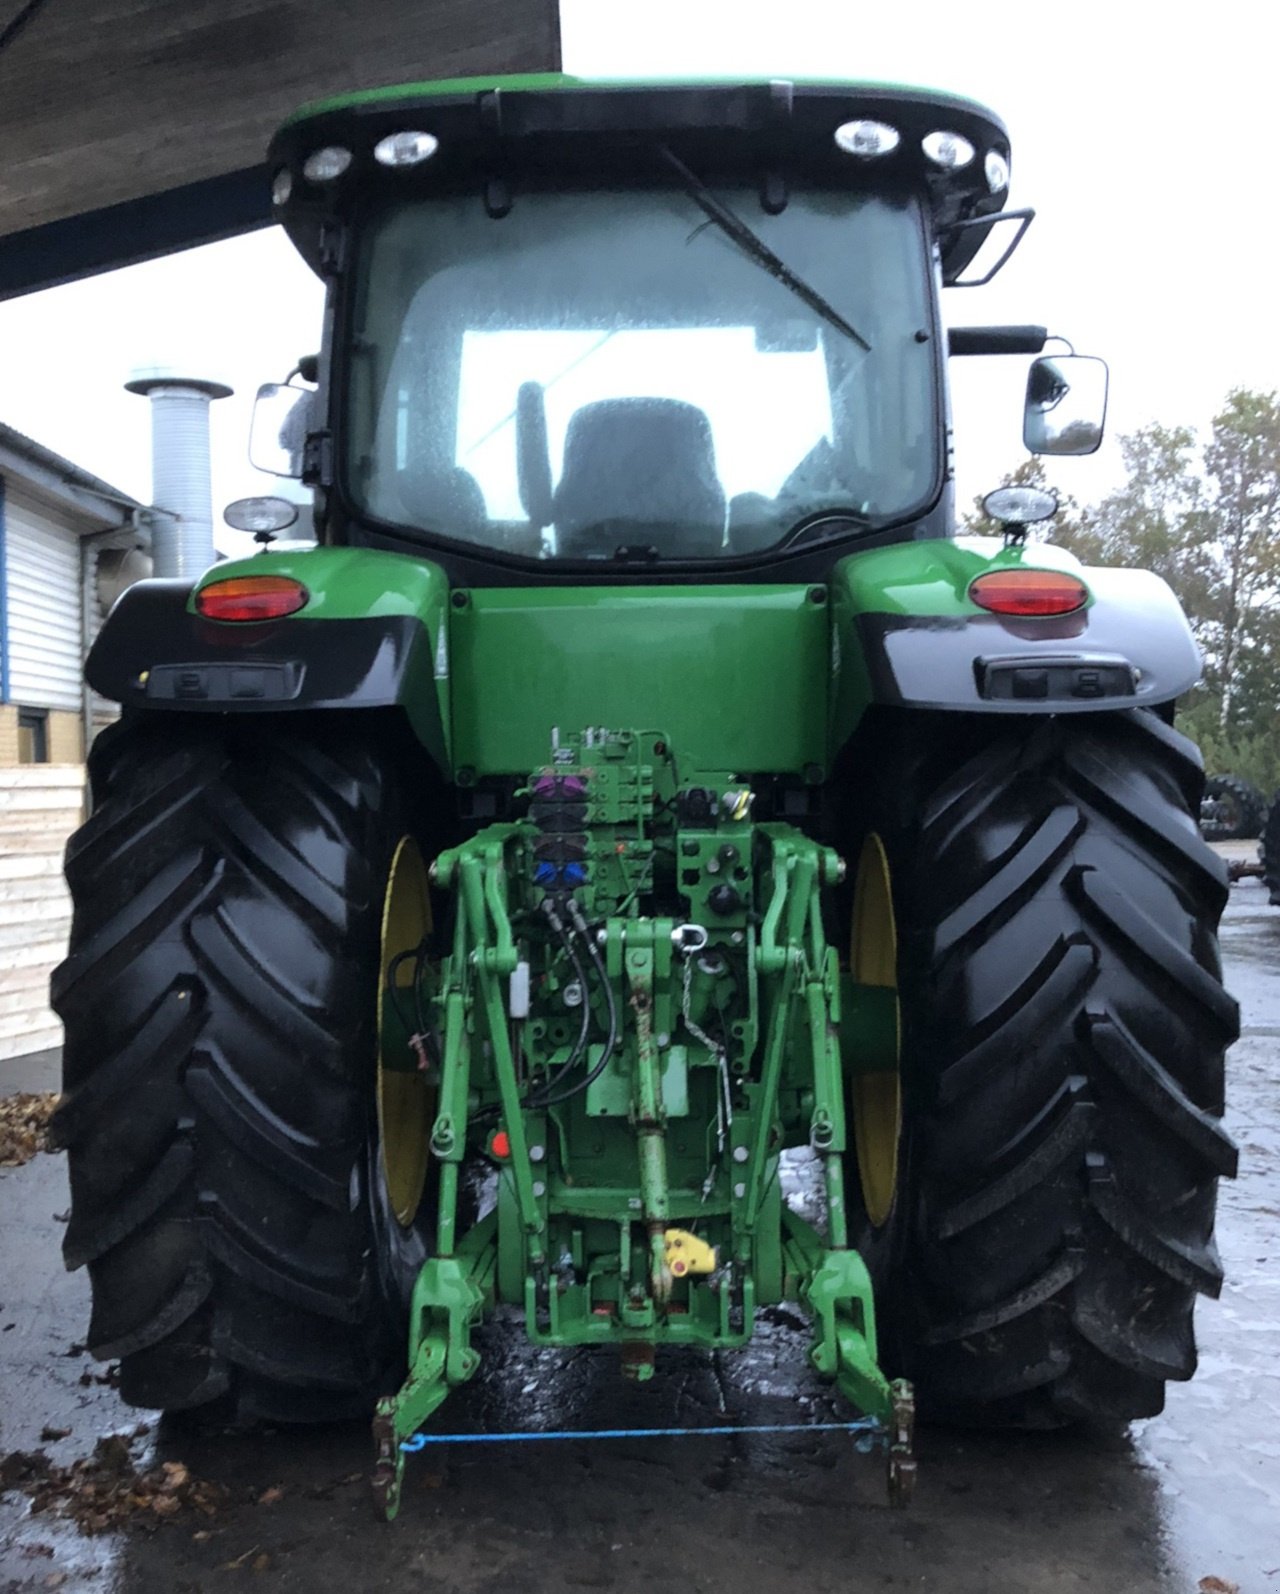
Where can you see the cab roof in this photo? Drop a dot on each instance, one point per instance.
(498, 134)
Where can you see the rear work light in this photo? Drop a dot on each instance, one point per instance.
(251, 598)
(1028, 592)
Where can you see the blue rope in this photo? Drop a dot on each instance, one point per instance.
(420, 1441)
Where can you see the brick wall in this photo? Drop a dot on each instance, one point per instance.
(65, 730)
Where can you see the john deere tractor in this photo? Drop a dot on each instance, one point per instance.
(639, 784)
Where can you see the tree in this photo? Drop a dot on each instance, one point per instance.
(1242, 524)
(1151, 522)
(1029, 473)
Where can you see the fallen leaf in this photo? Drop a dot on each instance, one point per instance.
(201, 1535)
(261, 1562)
(271, 1496)
(21, 1468)
(24, 1126)
(104, 1491)
(48, 1435)
(1217, 1585)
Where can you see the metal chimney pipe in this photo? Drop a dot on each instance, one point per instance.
(181, 489)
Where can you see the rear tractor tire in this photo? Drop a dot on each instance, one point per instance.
(1269, 851)
(1064, 1024)
(220, 1067)
(1232, 809)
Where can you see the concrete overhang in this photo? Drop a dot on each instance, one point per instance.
(131, 128)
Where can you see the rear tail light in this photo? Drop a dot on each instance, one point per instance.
(1028, 592)
(251, 598)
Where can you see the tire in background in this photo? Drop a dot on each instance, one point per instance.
(1233, 809)
(219, 1001)
(1064, 1030)
(1269, 851)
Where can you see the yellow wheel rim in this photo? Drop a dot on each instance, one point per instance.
(406, 1103)
(876, 1098)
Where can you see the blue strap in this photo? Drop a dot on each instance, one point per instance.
(420, 1441)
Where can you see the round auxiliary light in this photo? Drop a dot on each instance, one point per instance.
(1020, 506)
(867, 139)
(1028, 592)
(281, 186)
(951, 151)
(405, 149)
(260, 514)
(996, 167)
(323, 165)
(251, 598)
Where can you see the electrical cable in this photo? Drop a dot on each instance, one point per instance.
(611, 1039)
(540, 1098)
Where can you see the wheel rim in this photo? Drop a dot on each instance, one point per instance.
(876, 1093)
(406, 1103)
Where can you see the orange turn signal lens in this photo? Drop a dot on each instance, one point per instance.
(251, 598)
(1028, 592)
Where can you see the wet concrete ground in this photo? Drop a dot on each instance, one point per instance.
(1191, 1495)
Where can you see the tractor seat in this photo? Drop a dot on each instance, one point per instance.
(639, 472)
(445, 500)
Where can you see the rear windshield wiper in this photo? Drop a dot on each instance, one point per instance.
(737, 230)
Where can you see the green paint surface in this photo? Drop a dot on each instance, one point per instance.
(928, 580)
(735, 677)
(347, 583)
(931, 578)
(562, 82)
(365, 583)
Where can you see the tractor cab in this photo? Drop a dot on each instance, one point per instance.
(611, 329)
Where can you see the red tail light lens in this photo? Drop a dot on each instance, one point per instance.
(1028, 592)
(251, 598)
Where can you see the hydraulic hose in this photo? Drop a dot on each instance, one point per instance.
(542, 1098)
(611, 1039)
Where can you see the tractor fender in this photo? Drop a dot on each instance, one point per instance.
(377, 641)
(917, 640)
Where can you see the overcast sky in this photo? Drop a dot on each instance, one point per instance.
(1144, 135)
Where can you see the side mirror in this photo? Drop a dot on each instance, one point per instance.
(1066, 404)
(282, 417)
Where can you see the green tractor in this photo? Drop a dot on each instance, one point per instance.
(637, 785)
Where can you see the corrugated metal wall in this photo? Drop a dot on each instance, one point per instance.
(42, 580)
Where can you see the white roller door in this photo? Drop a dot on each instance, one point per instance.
(42, 576)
